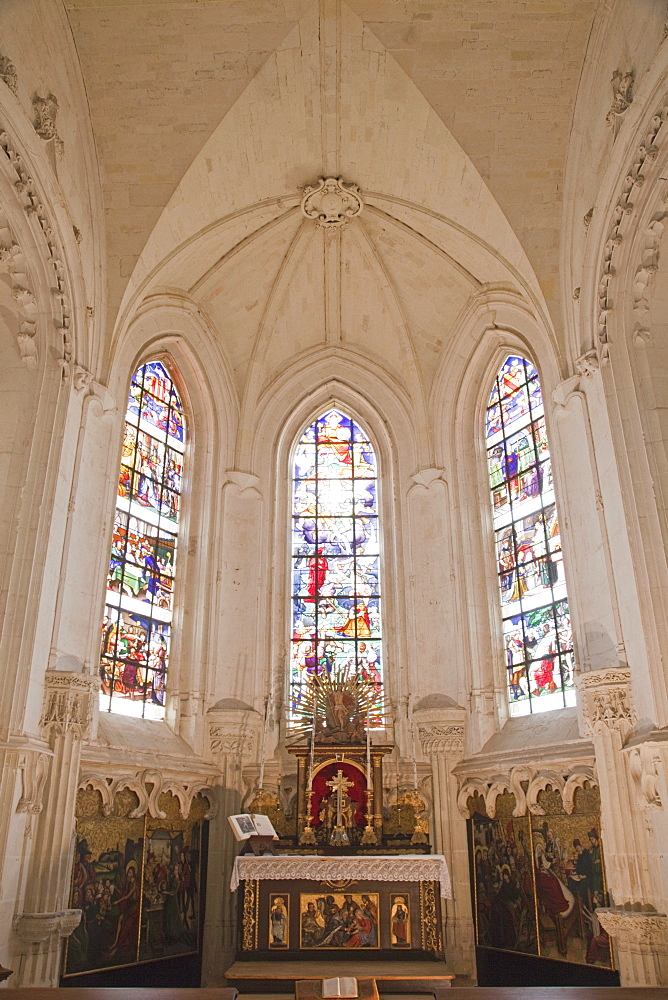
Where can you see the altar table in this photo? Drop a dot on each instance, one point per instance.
(367, 906)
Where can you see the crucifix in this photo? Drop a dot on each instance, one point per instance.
(340, 785)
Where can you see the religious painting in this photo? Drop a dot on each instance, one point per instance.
(106, 880)
(504, 888)
(570, 885)
(279, 921)
(339, 920)
(171, 889)
(137, 882)
(400, 921)
(336, 606)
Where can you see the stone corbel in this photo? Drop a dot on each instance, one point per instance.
(646, 766)
(68, 703)
(426, 478)
(34, 772)
(34, 928)
(606, 700)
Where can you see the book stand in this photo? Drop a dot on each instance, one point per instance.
(260, 845)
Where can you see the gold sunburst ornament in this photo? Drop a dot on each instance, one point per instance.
(337, 707)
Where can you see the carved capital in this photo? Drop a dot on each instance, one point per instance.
(68, 703)
(606, 701)
(442, 739)
(228, 739)
(331, 203)
(630, 925)
(33, 928)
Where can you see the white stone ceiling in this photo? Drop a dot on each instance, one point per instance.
(210, 117)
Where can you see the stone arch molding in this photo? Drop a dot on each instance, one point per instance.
(526, 784)
(630, 242)
(33, 254)
(149, 785)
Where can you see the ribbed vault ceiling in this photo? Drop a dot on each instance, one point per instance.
(205, 147)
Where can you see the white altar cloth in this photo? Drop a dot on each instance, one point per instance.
(370, 867)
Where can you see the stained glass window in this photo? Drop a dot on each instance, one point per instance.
(136, 632)
(537, 634)
(335, 553)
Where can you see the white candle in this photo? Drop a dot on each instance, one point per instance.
(369, 789)
(264, 740)
(415, 778)
(310, 770)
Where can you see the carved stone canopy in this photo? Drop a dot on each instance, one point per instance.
(331, 203)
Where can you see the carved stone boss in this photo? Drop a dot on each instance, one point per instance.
(607, 705)
(331, 203)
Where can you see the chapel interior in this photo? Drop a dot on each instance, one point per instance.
(334, 490)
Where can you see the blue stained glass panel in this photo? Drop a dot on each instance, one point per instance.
(336, 612)
(537, 635)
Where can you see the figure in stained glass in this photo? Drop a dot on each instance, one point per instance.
(138, 613)
(537, 633)
(335, 574)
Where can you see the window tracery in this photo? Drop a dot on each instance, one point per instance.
(537, 633)
(336, 617)
(136, 631)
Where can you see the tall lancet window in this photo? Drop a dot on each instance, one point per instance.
(537, 633)
(140, 582)
(336, 620)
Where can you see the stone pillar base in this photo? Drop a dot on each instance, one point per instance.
(41, 934)
(641, 943)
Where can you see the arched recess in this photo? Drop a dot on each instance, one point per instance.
(498, 323)
(298, 398)
(170, 328)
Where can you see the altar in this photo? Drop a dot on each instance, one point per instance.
(381, 906)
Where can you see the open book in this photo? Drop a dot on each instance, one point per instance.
(345, 986)
(252, 825)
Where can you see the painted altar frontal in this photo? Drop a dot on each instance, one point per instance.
(293, 907)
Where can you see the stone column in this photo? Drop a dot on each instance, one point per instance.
(45, 919)
(441, 735)
(637, 929)
(233, 736)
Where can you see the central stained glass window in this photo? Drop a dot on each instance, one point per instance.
(336, 619)
(136, 631)
(537, 632)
